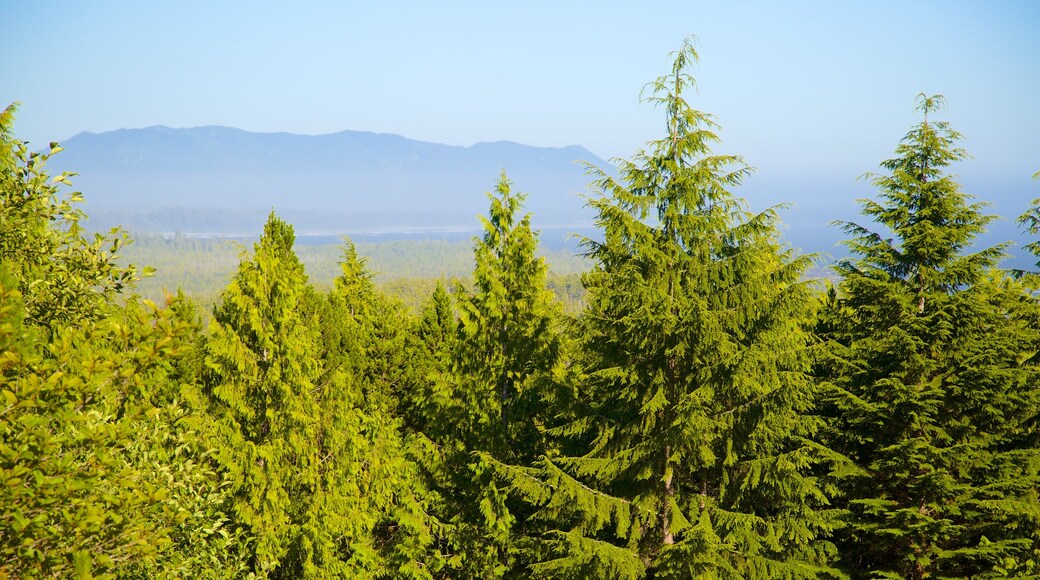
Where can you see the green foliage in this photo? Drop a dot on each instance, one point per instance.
(431, 343)
(74, 501)
(261, 367)
(88, 404)
(933, 393)
(486, 406)
(507, 342)
(1030, 220)
(322, 485)
(693, 409)
(369, 350)
(172, 448)
(381, 426)
(97, 479)
(63, 277)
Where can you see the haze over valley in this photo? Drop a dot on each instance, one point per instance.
(223, 182)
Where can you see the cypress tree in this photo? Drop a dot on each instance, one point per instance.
(430, 343)
(323, 486)
(486, 407)
(375, 328)
(694, 402)
(932, 394)
(261, 367)
(507, 340)
(377, 477)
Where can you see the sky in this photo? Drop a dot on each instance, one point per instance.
(811, 93)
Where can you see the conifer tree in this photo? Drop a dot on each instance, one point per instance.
(431, 344)
(695, 395)
(323, 485)
(488, 408)
(933, 395)
(378, 327)
(262, 365)
(507, 340)
(365, 358)
(1030, 220)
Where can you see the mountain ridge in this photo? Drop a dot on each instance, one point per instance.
(357, 175)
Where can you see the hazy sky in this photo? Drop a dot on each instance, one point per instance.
(803, 90)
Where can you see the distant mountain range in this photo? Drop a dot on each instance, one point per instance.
(225, 180)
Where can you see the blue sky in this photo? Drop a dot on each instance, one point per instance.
(811, 93)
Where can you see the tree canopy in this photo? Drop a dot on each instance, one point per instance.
(699, 408)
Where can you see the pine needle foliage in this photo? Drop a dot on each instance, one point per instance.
(695, 400)
(932, 391)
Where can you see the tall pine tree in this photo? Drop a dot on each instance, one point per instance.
(933, 395)
(694, 404)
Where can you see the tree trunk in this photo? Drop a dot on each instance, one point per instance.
(667, 538)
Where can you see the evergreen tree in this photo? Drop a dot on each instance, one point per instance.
(488, 407)
(695, 399)
(323, 486)
(261, 367)
(376, 328)
(365, 357)
(1031, 221)
(933, 396)
(431, 344)
(507, 340)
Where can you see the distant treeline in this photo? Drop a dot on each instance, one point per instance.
(704, 410)
(407, 269)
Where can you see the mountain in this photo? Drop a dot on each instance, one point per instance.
(225, 180)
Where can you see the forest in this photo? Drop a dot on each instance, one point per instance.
(692, 405)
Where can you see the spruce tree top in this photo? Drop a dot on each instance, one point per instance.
(932, 220)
